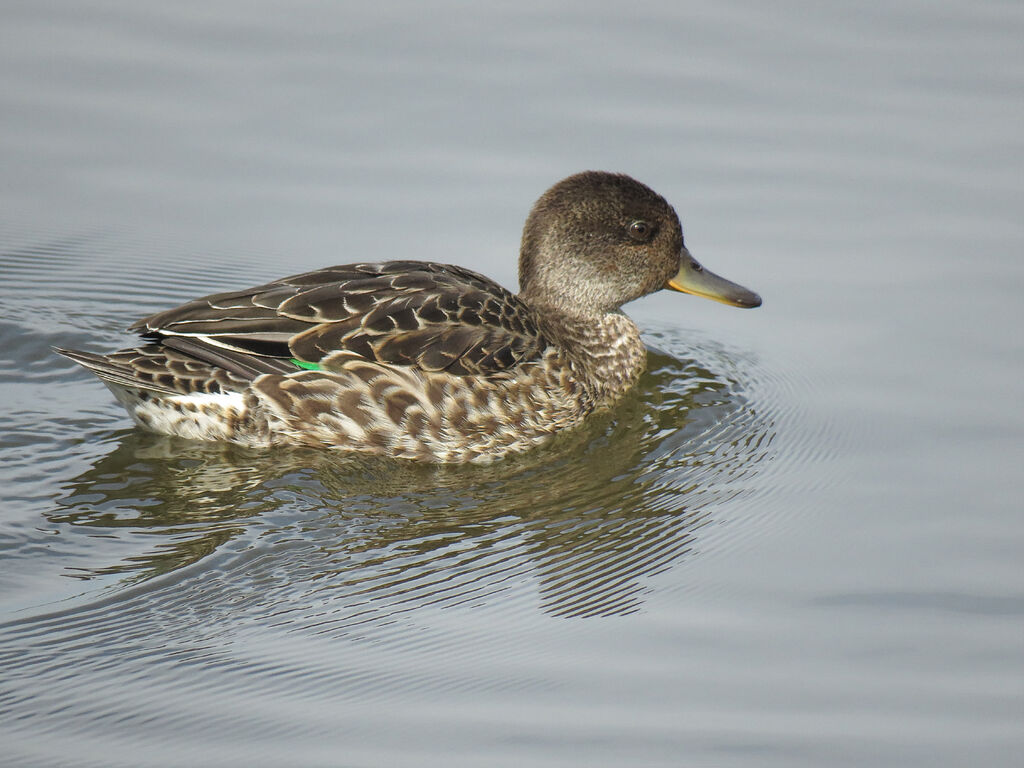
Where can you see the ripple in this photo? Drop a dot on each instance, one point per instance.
(85, 289)
(581, 525)
(579, 528)
(209, 559)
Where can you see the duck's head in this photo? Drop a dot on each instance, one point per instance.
(597, 240)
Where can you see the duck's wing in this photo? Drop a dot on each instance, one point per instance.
(434, 317)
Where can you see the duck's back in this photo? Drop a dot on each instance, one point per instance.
(427, 316)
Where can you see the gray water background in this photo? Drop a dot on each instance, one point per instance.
(799, 542)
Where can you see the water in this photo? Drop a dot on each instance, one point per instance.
(797, 543)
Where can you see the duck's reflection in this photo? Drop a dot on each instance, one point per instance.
(581, 524)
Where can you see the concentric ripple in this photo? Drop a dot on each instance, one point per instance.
(167, 555)
(579, 527)
(585, 521)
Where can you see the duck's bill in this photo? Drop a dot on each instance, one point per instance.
(693, 278)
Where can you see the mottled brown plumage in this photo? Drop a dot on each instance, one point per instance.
(421, 360)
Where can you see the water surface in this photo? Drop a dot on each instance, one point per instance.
(796, 543)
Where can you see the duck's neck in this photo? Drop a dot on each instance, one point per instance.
(605, 350)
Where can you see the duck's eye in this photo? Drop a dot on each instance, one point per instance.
(641, 231)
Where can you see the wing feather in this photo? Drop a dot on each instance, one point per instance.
(430, 316)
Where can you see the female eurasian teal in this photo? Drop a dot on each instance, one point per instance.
(420, 360)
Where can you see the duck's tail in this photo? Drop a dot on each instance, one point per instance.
(122, 369)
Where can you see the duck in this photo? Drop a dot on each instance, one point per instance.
(421, 360)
